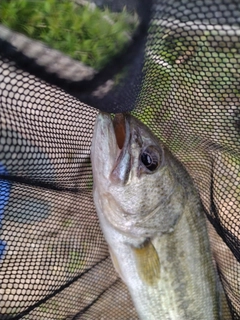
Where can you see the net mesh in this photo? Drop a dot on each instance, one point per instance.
(181, 77)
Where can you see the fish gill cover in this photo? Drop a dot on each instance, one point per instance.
(177, 71)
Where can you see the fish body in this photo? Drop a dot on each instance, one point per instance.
(153, 221)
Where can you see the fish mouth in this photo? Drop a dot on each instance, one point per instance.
(111, 147)
(122, 167)
(119, 126)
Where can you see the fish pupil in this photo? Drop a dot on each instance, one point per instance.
(149, 159)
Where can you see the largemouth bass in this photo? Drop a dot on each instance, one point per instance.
(153, 221)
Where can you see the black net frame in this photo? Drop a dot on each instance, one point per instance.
(180, 78)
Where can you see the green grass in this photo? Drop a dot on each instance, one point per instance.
(87, 34)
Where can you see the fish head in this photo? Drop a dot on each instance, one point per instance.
(134, 182)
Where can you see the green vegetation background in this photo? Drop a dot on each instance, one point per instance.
(84, 32)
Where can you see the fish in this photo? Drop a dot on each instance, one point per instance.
(153, 221)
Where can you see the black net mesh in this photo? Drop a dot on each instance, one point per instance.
(180, 75)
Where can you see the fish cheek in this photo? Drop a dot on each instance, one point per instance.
(147, 263)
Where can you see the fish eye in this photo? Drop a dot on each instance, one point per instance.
(150, 158)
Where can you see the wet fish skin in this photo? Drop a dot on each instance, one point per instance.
(154, 224)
